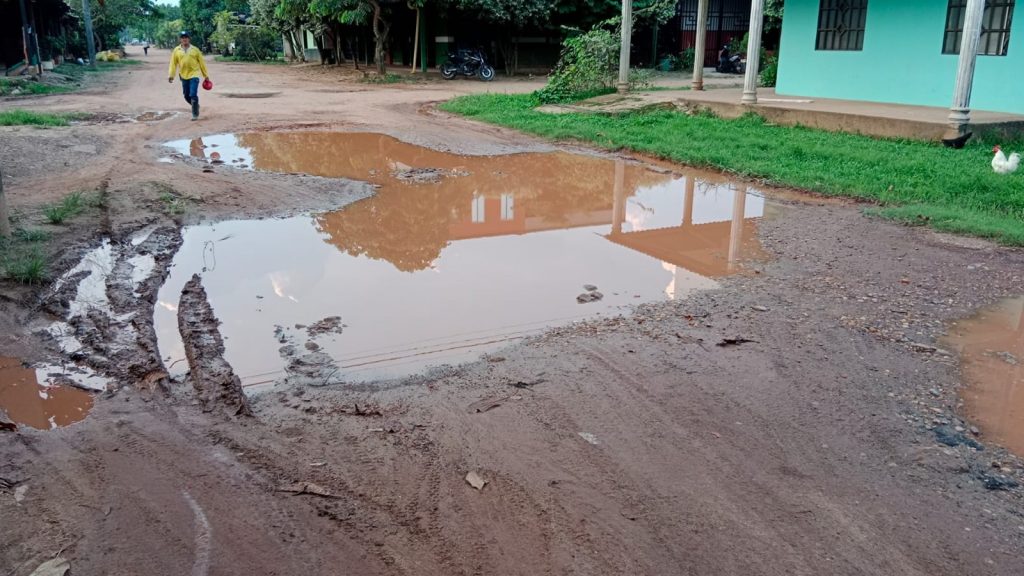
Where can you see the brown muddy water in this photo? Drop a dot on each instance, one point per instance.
(454, 255)
(27, 398)
(991, 347)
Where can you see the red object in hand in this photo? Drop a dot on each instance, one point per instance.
(207, 84)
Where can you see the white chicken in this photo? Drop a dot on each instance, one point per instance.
(1003, 165)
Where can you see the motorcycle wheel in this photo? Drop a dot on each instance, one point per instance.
(448, 71)
(486, 73)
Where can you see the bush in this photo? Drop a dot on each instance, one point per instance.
(770, 71)
(256, 44)
(588, 66)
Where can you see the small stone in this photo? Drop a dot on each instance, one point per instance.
(760, 308)
(935, 392)
(590, 287)
(975, 431)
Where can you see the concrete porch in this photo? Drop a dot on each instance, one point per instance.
(853, 116)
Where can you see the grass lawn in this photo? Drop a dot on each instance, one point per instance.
(21, 117)
(914, 182)
(8, 86)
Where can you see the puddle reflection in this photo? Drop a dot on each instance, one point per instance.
(455, 254)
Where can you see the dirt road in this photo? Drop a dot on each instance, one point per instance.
(803, 444)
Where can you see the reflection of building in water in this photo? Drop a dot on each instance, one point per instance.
(700, 222)
(712, 246)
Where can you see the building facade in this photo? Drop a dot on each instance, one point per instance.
(900, 51)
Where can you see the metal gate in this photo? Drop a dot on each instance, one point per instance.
(727, 19)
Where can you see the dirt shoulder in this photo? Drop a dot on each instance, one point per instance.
(634, 445)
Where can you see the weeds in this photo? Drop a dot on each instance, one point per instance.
(33, 236)
(952, 190)
(69, 207)
(174, 205)
(20, 117)
(19, 87)
(27, 267)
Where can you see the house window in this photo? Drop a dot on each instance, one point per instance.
(995, 27)
(841, 24)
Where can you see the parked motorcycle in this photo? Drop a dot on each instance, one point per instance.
(729, 63)
(467, 63)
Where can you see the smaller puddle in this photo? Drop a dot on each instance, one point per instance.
(29, 399)
(991, 347)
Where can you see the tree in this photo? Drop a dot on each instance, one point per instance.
(511, 16)
(374, 12)
(198, 16)
(167, 33)
(111, 17)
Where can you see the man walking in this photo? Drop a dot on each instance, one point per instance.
(190, 60)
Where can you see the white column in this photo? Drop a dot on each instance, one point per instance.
(959, 114)
(700, 44)
(619, 197)
(627, 35)
(739, 205)
(688, 201)
(753, 52)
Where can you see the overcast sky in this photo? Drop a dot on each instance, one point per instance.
(167, 2)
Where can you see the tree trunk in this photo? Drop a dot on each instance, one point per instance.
(319, 38)
(5, 219)
(338, 54)
(380, 36)
(297, 42)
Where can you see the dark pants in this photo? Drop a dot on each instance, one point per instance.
(190, 89)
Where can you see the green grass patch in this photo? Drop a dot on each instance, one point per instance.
(276, 61)
(27, 266)
(33, 235)
(66, 209)
(174, 205)
(390, 78)
(20, 87)
(21, 117)
(954, 190)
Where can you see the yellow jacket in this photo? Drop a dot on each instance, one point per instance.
(191, 62)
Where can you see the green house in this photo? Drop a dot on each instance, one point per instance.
(901, 51)
(955, 54)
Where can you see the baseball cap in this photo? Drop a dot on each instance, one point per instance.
(184, 33)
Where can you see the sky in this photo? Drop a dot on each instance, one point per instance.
(167, 2)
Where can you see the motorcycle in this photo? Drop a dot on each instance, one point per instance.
(467, 63)
(729, 63)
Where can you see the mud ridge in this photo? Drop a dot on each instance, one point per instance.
(210, 374)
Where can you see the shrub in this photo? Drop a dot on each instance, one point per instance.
(769, 71)
(256, 44)
(588, 66)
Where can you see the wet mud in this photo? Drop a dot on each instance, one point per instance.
(212, 377)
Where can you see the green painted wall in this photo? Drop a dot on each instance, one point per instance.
(902, 60)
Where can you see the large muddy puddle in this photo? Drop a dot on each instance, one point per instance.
(454, 255)
(991, 346)
(28, 396)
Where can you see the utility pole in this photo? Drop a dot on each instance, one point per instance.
(627, 35)
(87, 14)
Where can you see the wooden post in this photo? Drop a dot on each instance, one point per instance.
(5, 219)
(627, 35)
(700, 44)
(960, 112)
(753, 52)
